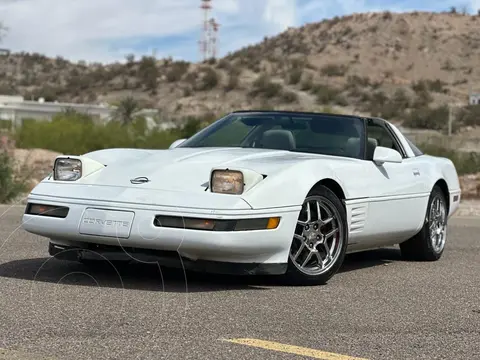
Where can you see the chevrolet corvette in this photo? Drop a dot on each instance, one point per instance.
(255, 193)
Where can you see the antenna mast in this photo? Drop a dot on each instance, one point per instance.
(213, 37)
(206, 6)
(209, 38)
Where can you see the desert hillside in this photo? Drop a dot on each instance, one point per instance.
(376, 63)
(404, 67)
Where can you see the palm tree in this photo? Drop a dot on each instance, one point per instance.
(126, 109)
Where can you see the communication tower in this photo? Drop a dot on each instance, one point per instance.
(208, 41)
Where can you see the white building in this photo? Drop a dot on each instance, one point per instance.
(15, 109)
(474, 99)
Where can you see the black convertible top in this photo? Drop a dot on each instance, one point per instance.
(296, 113)
(307, 113)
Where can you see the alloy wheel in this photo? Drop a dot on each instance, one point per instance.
(437, 224)
(318, 237)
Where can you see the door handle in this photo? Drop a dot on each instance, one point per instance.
(416, 172)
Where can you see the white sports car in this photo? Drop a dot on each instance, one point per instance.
(256, 192)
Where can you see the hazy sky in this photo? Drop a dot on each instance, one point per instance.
(106, 30)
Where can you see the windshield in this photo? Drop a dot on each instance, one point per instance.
(318, 134)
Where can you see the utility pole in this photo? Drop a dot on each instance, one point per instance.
(450, 119)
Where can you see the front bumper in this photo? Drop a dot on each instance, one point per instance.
(94, 252)
(253, 247)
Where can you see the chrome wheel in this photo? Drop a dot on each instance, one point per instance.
(319, 236)
(437, 224)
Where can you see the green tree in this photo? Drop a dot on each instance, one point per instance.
(126, 109)
(130, 59)
(74, 115)
(11, 185)
(148, 73)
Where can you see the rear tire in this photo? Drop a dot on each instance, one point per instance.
(320, 239)
(429, 243)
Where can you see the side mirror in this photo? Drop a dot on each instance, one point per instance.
(176, 143)
(385, 155)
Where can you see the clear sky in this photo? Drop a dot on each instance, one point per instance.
(107, 30)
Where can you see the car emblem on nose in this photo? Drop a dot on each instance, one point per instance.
(140, 180)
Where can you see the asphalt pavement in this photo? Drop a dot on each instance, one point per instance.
(376, 307)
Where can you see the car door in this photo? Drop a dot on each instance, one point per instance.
(396, 192)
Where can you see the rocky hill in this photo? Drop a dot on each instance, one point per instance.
(375, 63)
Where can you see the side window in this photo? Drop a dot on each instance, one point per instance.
(416, 150)
(378, 136)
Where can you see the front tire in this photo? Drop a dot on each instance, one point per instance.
(429, 243)
(320, 239)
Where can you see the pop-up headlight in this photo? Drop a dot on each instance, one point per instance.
(227, 182)
(73, 168)
(67, 169)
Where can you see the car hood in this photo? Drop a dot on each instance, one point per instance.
(188, 169)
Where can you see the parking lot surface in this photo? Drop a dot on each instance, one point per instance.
(376, 307)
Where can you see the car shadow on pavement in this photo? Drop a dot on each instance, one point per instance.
(372, 258)
(151, 277)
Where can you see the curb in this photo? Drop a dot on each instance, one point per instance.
(468, 208)
(467, 213)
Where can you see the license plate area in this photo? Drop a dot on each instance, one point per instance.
(108, 223)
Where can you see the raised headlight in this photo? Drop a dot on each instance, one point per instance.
(227, 182)
(67, 169)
